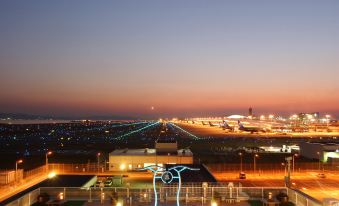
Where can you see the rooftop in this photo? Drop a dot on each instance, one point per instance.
(148, 152)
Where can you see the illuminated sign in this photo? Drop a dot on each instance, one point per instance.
(167, 175)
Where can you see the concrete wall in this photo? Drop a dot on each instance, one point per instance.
(166, 147)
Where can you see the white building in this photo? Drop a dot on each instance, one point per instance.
(164, 153)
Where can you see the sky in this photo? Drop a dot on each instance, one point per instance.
(169, 58)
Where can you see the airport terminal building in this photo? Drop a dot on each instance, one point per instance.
(163, 153)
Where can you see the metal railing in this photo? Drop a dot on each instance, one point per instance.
(197, 195)
(271, 167)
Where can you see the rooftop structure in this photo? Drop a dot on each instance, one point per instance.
(165, 152)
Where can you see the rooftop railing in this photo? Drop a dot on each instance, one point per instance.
(197, 195)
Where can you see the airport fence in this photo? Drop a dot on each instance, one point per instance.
(272, 167)
(77, 168)
(189, 195)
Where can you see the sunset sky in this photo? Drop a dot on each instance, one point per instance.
(184, 58)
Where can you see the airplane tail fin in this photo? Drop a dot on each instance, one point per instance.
(225, 124)
(240, 125)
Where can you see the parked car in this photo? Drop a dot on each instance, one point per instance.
(321, 175)
(242, 175)
(108, 182)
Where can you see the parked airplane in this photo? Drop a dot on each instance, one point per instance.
(213, 125)
(225, 126)
(251, 129)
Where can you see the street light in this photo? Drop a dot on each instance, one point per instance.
(283, 165)
(319, 161)
(255, 162)
(98, 158)
(16, 168)
(214, 203)
(240, 154)
(293, 161)
(47, 153)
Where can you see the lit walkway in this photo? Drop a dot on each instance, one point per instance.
(9, 191)
(172, 203)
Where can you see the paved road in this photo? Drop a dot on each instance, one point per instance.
(308, 182)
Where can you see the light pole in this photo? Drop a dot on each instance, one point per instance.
(16, 168)
(47, 153)
(288, 177)
(255, 162)
(319, 161)
(98, 158)
(283, 165)
(240, 154)
(293, 161)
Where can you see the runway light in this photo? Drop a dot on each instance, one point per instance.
(51, 175)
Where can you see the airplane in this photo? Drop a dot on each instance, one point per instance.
(216, 124)
(203, 123)
(250, 129)
(225, 126)
(212, 125)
